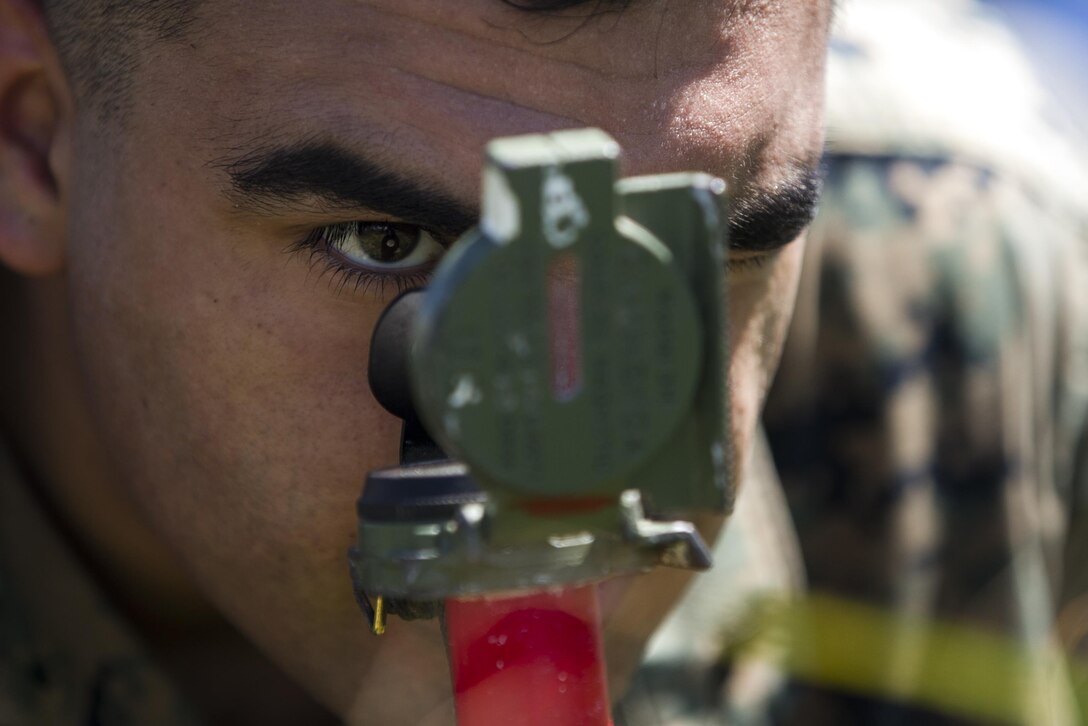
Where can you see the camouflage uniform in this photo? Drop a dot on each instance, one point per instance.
(66, 658)
(928, 418)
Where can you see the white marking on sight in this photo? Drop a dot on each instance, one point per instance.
(564, 213)
(501, 218)
(465, 393)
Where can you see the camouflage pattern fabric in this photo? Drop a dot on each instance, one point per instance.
(66, 659)
(927, 409)
(928, 418)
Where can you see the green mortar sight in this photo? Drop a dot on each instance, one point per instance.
(562, 385)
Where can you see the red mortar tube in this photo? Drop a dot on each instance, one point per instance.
(531, 659)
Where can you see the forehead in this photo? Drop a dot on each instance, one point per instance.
(431, 81)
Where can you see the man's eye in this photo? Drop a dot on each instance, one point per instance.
(372, 257)
(381, 246)
(744, 264)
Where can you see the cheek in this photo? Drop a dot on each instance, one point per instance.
(760, 308)
(230, 388)
(230, 379)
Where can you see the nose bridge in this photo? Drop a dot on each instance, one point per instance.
(706, 151)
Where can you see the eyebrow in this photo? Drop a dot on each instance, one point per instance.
(766, 219)
(326, 174)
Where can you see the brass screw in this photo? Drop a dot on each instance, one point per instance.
(378, 626)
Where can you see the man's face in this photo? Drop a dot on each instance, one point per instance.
(224, 341)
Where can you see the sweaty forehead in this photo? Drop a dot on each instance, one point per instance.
(630, 40)
(434, 80)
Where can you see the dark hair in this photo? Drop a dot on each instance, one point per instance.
(100, 41)
(550, 5)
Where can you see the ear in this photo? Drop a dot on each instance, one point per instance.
(34, 113)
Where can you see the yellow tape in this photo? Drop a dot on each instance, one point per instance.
(950, 668)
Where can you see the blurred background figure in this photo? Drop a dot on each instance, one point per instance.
(928, 420)
(911, 544)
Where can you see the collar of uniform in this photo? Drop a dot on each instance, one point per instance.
(66, 657)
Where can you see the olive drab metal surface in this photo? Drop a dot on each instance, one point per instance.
(559, 348)
(568, 358)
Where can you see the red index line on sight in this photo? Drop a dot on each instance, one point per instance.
(565, 325)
